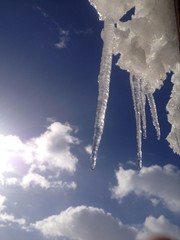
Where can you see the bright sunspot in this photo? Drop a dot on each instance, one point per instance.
(10, 149)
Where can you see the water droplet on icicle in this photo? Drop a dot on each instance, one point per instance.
(104, 82)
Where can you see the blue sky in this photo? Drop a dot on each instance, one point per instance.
(49, 64)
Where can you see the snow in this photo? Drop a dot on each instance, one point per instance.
(173, 107)
(148, 48)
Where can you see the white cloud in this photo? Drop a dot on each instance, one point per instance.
(158, 227)
(30, 163)
(52, 149)
(87, 31)
(155, 201)
(44, 14)
(132, 163)
(88, 149)
(9, 218)
(157, 182)
(11, 181)
(89, 223)
(63, 34)
(11, 147)
(2, 201)
(85, 223)
(35, 179)
(62, 185)
(63, 39)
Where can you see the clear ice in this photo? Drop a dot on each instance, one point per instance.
(139, 100)
(104, 82)
(154, 114)
(148, 47)
(143, 109)
(136, 95)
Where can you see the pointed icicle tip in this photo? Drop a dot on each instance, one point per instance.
(103, 84)
(93, 161)
(140, 164)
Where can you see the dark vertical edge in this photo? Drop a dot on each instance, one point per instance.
(177, 12)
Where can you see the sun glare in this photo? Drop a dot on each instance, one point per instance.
(10, 148)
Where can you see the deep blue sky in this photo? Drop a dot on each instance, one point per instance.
(40, 81)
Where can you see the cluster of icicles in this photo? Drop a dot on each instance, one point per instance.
(138, 93)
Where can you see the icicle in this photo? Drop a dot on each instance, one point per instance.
(154, 114)
(136, 95)
(104, 82)
(143, 110)
(139, 100)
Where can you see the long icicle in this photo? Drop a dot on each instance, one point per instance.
(154, 114)
(143, 110)
(104, 82)
(135, 88)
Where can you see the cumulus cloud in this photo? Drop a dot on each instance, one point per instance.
(89, 223)
(36, 179)
(53, 148)
(31, 163)
(155, 182)
(84, 222)
(158, 227)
